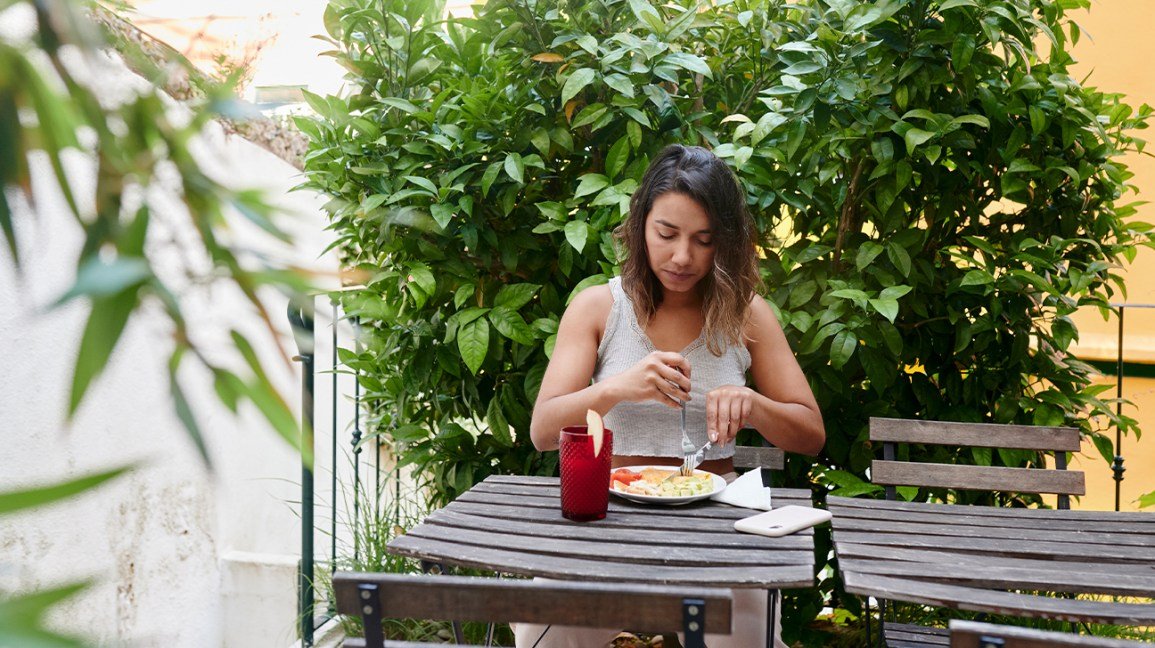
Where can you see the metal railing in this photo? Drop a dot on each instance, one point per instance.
(1117, 465)
(301, 317)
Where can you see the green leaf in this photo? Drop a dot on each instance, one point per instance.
(1146, 500)
(618, 156)
(866, 254)
(894, 292)
(1105, 446)
(398, 103)
(689, 62)
(621, 83)
(888, 308)
(842, 348)
(899, 257)
(591, 183)
(420, 274)
(514, 296)
(577, 233)
(184, 410)
(951, 4)
(515, 167)
(511, 325)
(22, 618)
(915, 137)
(489, 176)
(575, 83)
(37, 496)
(473, 343)
(105, 324)
(100, 278)
(977, 278)
(498, 425)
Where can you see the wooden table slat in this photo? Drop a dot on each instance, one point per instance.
(995, 602)
(1142, 518)
(1007, 578)
(670, 553)
(1002, 546)
(857, 556)
(1085, 537)
(604, 533)
(593, 568)
(949, 516)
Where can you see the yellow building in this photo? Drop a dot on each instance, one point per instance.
(1116, 50)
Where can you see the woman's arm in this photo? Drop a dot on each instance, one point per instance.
(782, 407)
(566, 392)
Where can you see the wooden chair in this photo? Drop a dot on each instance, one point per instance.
(750, 457)
(892, 473)
(461, 598)
(971, 634)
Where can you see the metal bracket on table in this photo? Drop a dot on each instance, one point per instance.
(371, 613)
(694, 622)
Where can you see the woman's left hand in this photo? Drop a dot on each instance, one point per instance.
(727, 409)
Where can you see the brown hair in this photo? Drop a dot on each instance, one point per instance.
(698, 174)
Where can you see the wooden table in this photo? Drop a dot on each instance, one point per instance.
(999, 560)
(514, 525)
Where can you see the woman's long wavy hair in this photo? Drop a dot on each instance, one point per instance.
(696, 173)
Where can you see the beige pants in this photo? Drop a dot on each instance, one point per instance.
(749, 629)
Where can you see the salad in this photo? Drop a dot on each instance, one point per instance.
(659, 482)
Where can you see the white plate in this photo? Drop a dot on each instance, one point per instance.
(719, 486)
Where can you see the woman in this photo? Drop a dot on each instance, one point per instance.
(681, 325)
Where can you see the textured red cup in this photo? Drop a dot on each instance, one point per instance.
(585, 479)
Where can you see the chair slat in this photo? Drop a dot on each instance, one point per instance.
(970, 634)
(985, 478)
(981, 435)
(647, 608)
(749, 457)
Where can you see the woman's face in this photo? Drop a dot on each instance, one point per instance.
(679, 242)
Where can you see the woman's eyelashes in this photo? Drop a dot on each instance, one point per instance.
(669, 236)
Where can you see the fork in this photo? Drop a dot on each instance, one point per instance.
(692, 460)
(687, 447)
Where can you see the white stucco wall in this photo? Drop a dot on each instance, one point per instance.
(179, 555)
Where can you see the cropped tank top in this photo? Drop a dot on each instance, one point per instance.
(650, 428)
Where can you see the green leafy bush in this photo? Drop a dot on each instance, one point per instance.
(935, 196)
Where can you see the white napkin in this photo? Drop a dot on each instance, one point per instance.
(747, 491)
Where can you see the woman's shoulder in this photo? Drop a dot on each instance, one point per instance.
(760, 317)
(592, 304)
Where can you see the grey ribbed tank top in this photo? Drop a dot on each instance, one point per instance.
(650, 428)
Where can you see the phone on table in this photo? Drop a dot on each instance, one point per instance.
(782, 521)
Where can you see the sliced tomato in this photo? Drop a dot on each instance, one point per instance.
(625, 476)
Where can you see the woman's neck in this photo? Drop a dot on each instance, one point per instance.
(682, 301)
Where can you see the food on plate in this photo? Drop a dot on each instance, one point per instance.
(661, 482)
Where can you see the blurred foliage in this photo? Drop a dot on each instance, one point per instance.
(52, 107)
(935, 196)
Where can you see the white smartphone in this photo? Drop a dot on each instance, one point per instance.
(784, 520)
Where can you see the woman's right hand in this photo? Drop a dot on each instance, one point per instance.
(661, 376)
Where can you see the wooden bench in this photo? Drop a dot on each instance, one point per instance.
(750, 457)
(647, 608)
(971, 634)
(891, 472)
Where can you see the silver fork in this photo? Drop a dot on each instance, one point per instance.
(687, 447)
(693, 459)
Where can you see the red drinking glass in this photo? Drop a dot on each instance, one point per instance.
(585, 479)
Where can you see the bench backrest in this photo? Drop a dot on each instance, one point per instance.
(750, 457)
(1058, 440)
(646, 608)
(971, 634)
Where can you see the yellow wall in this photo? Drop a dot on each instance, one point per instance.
(1116, 50)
